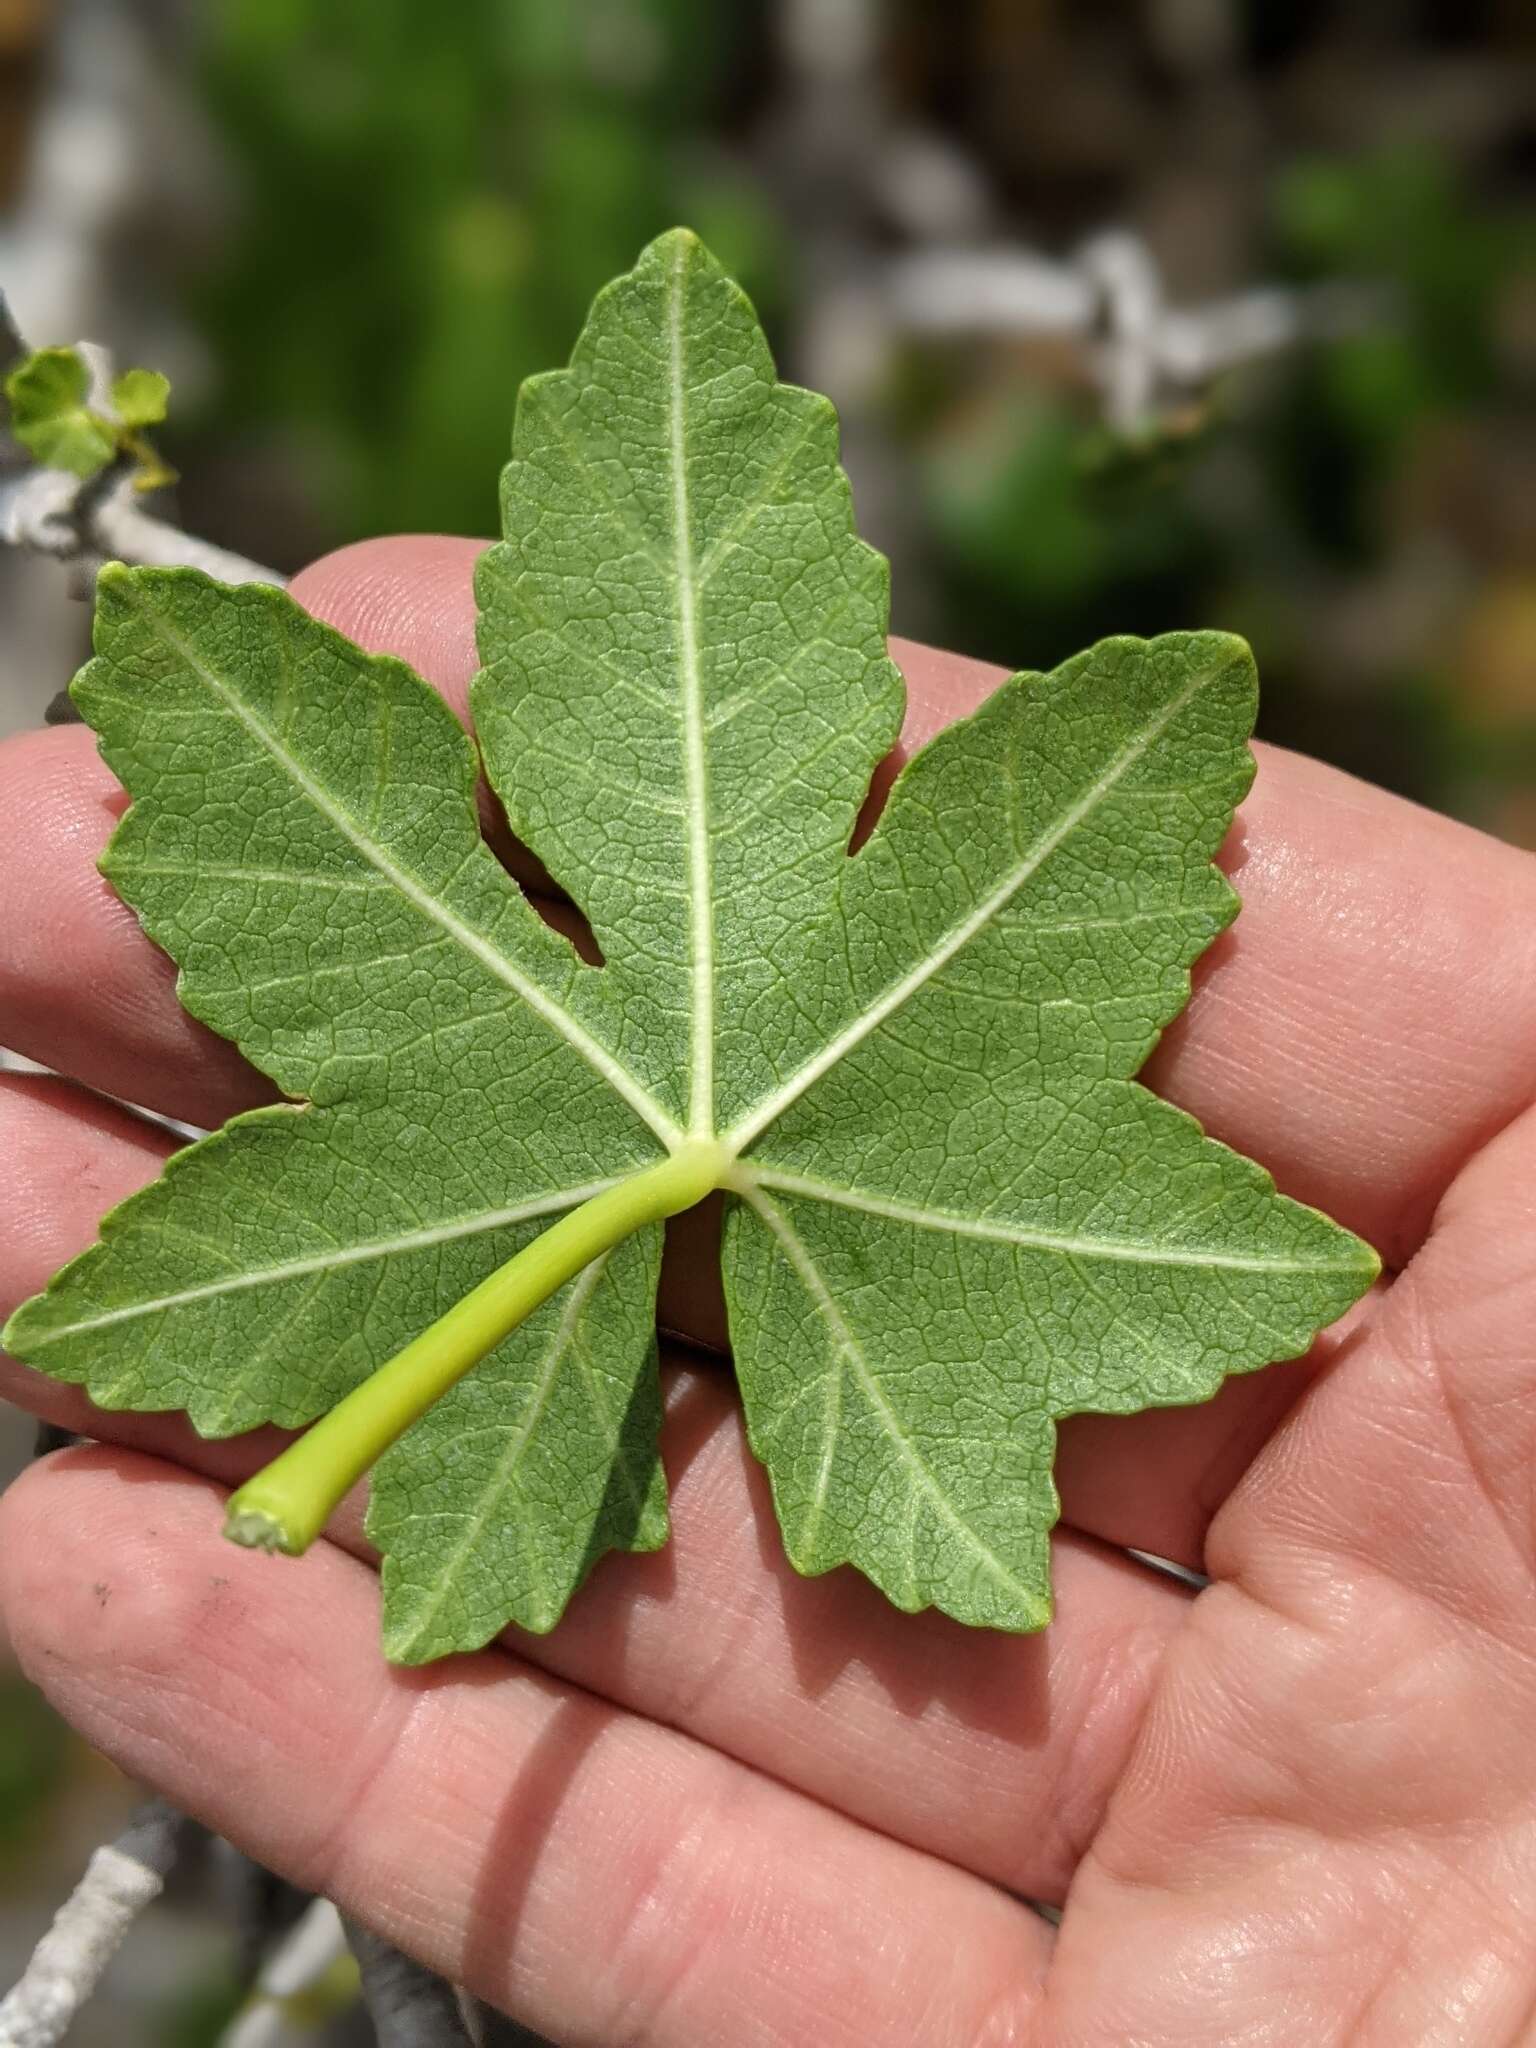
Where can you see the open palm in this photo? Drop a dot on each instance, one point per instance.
(724, 1804)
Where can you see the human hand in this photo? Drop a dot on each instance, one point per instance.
(722, 1803)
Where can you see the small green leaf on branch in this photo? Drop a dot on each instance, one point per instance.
(49, 394)
(140, 397)
(50, 415)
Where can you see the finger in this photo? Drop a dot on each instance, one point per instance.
(598, 1876)
(994, 1752)
(81, 987)
(1347, 1725)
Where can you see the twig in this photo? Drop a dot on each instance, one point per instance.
(99, 519)
(18, 1063)
(50, 1438)
(1109, 297)
(299, 1966)
(67, 1964)
(1129, 289)
(12, 346)
(497, 2031)
(54, 513)
(409, 2005)
(264, 1907)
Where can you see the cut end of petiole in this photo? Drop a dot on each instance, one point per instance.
(254, 1529)
(286, 1506)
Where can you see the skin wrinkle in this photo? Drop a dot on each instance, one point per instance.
(659, 1972)
(1389, 1972)
(1448, 1610)
(1232, 1452)
(1518, 1539)
(328, 1853)
(686, 1705)
(1111, 1719)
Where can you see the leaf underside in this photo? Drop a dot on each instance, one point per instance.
(957, 1216)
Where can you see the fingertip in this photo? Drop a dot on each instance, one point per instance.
(81, 1583)
(409, 595)
(941, 687)
(167, 1648)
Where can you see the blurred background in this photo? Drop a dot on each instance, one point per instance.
(1173, 313)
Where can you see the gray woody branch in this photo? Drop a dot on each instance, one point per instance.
(294, 1969)
(120, 1881)
(410, 2006)
(98, 519)
(1109, 298)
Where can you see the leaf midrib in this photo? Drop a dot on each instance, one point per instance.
(701, 917)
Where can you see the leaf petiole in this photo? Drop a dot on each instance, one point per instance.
(288, 1503)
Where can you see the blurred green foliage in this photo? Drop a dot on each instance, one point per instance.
(426, 200)
(198, 2016)
(33, 1754)
(1312, 510)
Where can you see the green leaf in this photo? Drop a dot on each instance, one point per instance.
(954, 1215)
(957, 1170)
(49, 414)
(140, 397)
(304, 840)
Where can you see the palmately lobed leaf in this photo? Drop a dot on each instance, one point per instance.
(954, 1215)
